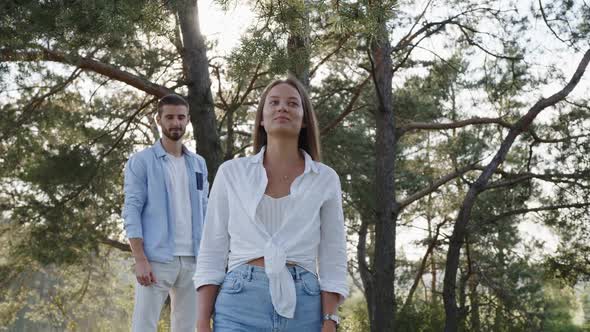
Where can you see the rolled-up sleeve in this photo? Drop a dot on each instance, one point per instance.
(332, 249)
(135, 188)
(214, 249)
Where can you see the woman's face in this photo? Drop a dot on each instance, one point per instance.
(283, 111)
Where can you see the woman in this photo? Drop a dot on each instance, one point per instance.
(274, 220)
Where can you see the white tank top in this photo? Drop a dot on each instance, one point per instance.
(271, 211)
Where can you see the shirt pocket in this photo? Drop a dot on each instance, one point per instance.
(199, 178)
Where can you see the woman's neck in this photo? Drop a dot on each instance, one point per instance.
(282, 152)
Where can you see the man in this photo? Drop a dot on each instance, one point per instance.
(165, 202)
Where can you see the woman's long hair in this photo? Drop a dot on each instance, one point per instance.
(309, 138)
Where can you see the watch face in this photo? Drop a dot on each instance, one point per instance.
(332, 317)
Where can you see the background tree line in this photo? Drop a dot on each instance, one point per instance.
(455, 117)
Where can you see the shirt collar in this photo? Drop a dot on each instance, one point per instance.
(310, 164)
(161, 152)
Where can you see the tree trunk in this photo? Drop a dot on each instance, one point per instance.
(463, 300)
(433, 273)
(499, 317)
(474, 303)
(384, 306)
(200, 99)
(366, 274)
(473, 281)
(298, 46)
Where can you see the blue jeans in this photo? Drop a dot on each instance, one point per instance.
(244, 305)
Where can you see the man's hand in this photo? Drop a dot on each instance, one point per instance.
(143, 273)
(143, 269)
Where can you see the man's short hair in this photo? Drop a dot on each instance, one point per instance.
(171, 99)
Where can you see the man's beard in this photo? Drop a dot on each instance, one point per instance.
(175, 135)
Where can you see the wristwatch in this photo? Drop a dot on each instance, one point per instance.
(333, 317)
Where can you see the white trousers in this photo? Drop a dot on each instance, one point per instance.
(174, 279)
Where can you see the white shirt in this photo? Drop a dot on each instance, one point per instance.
(312, 234)
(181, 205)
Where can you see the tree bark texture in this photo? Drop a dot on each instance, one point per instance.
(383, 306)
(298, 48)
(200, 98)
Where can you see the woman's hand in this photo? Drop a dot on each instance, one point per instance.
(206, 295)
(329, 305)
(328, 326)
(204, 325)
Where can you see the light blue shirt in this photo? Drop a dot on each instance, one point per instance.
(147, 211)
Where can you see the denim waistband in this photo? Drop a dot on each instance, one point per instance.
(249, 272)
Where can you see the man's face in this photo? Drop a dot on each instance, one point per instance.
(173, 120)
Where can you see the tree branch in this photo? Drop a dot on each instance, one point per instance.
(418, 18)
(86, 63)
(451, 125)
(341, 43)
(37, 101)
(437, 56)
(435, 185)
(349, 108)
(409, 37)
(472, 42)
(358, 283)
(431, 245)
(549, 25)
(539, 209)
(251, 84)
(219, 92)
(116, 244)
(538, 139)
(555, 178)
(361, 254)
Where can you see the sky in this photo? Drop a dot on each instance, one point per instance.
(225, 27)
